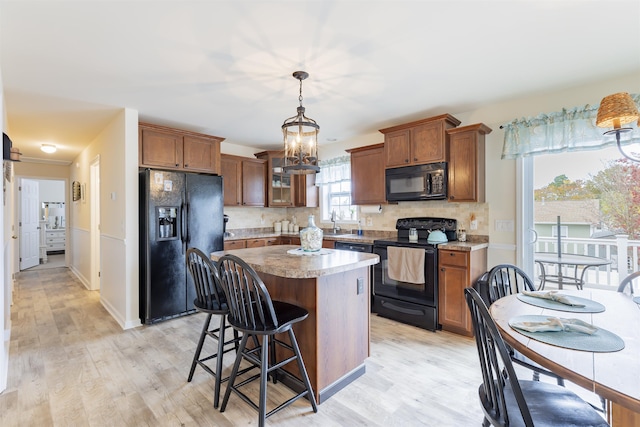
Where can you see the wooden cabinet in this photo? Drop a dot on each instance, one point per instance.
(367, 175)
(234, 244)
(420, 142)
(280, 185)
(289, 240)
(55, 240)
(467, 163)
(257, 243)
(457, 270)
(306, 192)
(174, 149)
(244, 180)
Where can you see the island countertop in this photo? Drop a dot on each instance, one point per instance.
(276, 261)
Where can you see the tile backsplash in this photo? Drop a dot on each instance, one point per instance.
(240, 218)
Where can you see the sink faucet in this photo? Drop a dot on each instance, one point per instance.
(336, 228)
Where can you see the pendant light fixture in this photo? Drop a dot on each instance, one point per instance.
(615, 111)
(300, 139)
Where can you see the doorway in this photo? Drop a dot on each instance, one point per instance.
(43, 214)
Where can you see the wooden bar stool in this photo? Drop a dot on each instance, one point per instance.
(252, 312)
(210, 299)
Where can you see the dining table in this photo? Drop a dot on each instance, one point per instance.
(613, 375)
(580, 264)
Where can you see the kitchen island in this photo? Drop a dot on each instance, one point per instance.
(335, 288)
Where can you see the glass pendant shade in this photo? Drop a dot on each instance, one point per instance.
(300, 139)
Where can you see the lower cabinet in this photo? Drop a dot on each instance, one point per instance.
(234, 244)
(55, 240)
(457, 270)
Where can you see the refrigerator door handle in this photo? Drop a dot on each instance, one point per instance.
(183, 228)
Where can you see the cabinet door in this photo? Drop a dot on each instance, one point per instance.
(428, 143)
(453, 312)
(253, 182)
(306, 192)
(231, 170)
(463, 168)
(397, 148)
(160, 149)
(201, 155)
(367, 176)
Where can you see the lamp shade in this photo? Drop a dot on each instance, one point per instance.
(616, 110)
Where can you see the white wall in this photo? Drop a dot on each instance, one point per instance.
(117, 147)
(5, 267)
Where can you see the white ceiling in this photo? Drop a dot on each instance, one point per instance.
(224, 67)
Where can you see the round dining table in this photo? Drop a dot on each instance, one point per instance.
(614, 375)
(580, 264)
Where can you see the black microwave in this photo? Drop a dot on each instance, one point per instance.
(421, 182)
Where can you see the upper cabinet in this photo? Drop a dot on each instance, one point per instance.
(306, 194)
(280, 185)
(175, 149)
(285, 189)
(467, 163)
(367, 175)
(244, 180)
(420, 142)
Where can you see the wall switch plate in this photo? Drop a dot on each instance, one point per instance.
(473, 225)
(360, 285)
(505, 225)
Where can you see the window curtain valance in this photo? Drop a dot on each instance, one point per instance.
(334, 170)
(567, 130)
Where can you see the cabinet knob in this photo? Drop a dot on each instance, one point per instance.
(452, 254)
(186, 165)
(442, 269)
(406, 160)
(177, 165)
(415, 159)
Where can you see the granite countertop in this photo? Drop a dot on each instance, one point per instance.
(276, 261)
(473, 243)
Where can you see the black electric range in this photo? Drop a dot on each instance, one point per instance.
(410, 300)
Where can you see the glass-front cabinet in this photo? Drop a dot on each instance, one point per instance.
(280, 185)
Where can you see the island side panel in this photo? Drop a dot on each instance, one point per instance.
(301, 292)
(334, 339)
(343, 326)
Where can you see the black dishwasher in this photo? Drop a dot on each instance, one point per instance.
(356, 247)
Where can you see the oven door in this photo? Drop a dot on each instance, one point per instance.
(423, 294)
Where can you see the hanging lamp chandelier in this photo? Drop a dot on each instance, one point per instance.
(300, 139)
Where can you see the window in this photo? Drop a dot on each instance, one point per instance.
(564, 231)
(334, 180)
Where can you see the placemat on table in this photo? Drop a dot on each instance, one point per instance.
(590, 306)
(601, 341)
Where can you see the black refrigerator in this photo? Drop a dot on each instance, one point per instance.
(177, 211)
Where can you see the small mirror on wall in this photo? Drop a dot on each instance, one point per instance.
(76, 191)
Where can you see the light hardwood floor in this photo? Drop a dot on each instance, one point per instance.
(71, 364)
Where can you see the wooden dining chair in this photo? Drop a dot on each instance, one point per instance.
(255, 314)
(501, 281)
(507, 401)
(626, 286)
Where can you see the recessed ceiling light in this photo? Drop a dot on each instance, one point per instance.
(48, 148)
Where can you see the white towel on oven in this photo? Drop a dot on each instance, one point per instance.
(406, 264)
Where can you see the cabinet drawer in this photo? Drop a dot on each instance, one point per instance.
(235, 244)
(454, 258)
(55, 240)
